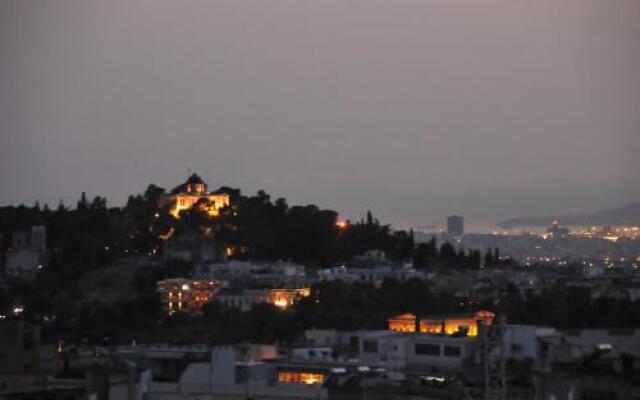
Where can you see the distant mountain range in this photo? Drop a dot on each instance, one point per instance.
(625, 215)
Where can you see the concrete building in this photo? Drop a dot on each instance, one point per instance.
(244, 299)
(19, 346)
(375, 274)
(525, 342)
(192, 247)
(413, 353)
(311, 353)
(28, 253)
(455, 225)
(241, 269)
(187, 295)
(223, 376)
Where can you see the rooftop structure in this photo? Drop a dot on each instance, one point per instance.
(450, 324)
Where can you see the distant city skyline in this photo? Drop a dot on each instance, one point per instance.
(413, 109)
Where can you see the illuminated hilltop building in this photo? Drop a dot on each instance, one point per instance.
(194, 191)
(556, 231)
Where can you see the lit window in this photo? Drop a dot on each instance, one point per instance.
(309, 378)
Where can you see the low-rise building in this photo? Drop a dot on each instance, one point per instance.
(244, 299)
(415, 353)
(27, 254)
(187, 295)
(192, 247)
(19, 346)
(375, 274)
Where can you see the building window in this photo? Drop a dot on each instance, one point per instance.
(621, 332)
(425, 349)
(452, 351)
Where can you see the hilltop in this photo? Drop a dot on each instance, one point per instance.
(625, 215)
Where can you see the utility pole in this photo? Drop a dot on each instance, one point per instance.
(494, 358)
(210, 370)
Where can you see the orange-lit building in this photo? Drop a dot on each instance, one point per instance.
(186, 295)
(244, 299)
(301, 377)
(195, 192)
(284, 298)
(448, 324)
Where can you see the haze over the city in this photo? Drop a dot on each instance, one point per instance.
(413, 109)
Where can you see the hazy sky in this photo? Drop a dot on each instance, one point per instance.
(413, 109)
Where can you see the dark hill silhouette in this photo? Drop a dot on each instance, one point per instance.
(625, 215)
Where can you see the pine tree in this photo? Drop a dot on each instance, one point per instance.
(83, 204)
(61, 206)
(488, 258)
(370, 221)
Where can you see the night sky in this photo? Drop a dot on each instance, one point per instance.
(413, 109)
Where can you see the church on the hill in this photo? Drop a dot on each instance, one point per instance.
(194, 190)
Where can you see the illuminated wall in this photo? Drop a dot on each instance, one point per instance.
(308, 378)
(185, 201)
(402, 323)
(406, 323)
(284, 298)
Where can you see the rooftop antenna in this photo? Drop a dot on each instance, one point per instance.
(494, 357)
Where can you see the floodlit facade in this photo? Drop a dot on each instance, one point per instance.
(284, 298)
(449, 325)
(301, 377)
(195, 192)
(243, 300)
